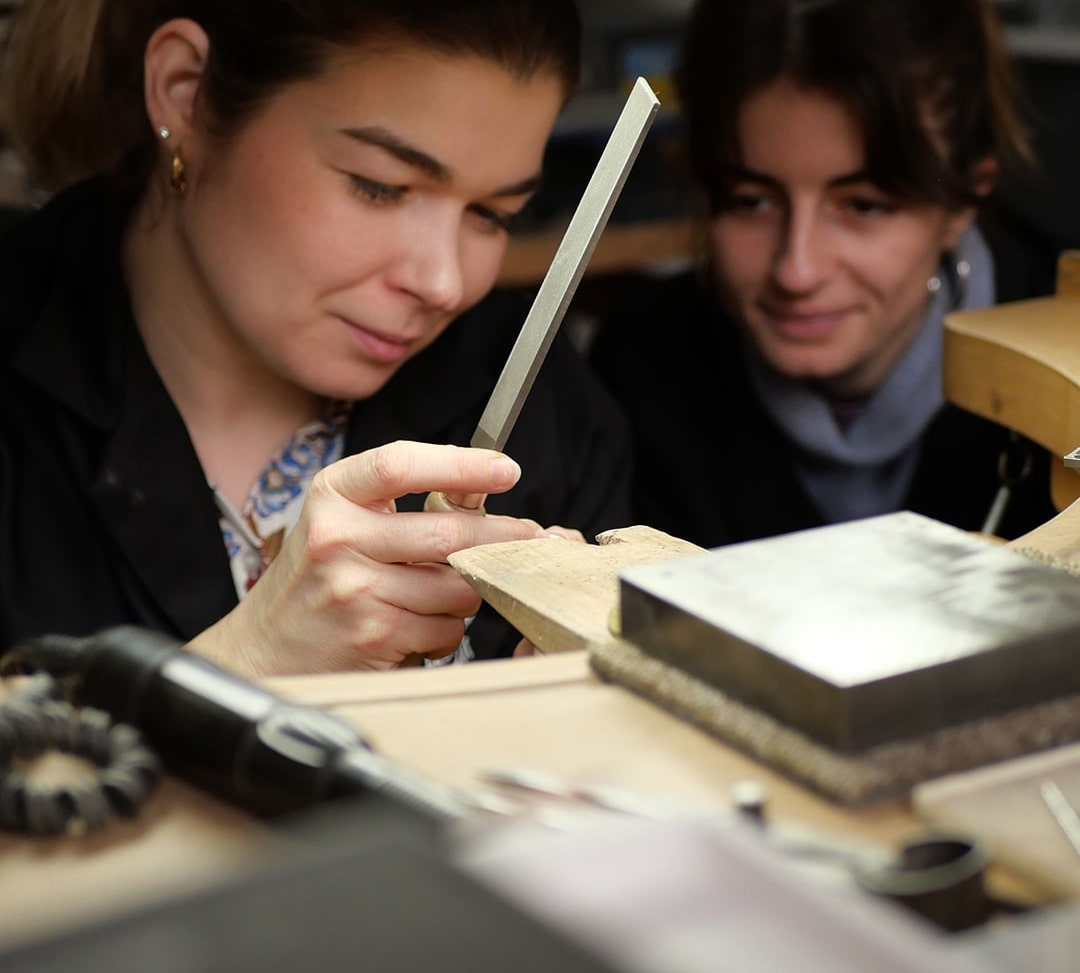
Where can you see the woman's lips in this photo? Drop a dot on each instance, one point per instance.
(804, 325)
(377, 346)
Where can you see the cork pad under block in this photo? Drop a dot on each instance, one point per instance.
(877, 774)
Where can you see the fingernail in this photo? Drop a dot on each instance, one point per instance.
(504, 471)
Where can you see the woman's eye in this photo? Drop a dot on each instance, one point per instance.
(748, 202)
(870, 205)
(503, 222)
(375, 192)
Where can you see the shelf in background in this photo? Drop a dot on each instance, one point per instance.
(622, 247)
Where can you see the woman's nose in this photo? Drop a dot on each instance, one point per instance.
(430, 268)
(803, 253)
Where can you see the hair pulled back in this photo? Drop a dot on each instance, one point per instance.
(73, 88)
(928, 81)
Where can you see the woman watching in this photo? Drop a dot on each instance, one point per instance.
(844, 150)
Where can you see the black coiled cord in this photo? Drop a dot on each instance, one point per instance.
(36, 720)
(227, 734)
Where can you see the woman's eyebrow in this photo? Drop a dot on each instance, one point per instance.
(412, 156)
(738, 173)
(384, 139)
(742, 174)
(851, 179)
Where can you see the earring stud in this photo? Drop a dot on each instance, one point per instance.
(164, 132)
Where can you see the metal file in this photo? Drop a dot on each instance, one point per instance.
(567, 267)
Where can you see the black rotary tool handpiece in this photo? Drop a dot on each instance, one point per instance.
(224, 732)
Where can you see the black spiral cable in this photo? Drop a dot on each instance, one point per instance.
(35, 720)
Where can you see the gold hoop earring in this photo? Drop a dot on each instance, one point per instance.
(178, 175)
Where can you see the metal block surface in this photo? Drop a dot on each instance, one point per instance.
(863, 633)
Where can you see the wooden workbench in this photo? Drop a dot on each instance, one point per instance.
(546, 712)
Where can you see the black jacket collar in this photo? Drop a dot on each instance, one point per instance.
(79, 345)
(70, 315)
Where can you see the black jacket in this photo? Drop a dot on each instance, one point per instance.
(105, 513)
(712, 466)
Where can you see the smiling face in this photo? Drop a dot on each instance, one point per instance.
(827, 273)
(344, 227)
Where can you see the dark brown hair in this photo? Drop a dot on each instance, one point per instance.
(73, 73)
(928, 81)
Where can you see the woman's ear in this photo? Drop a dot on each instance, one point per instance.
(173, 67)
(984, 177)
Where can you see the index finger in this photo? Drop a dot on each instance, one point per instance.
(413, 538)
(395, 469)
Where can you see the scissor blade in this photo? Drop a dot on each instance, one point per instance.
(567, 267)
